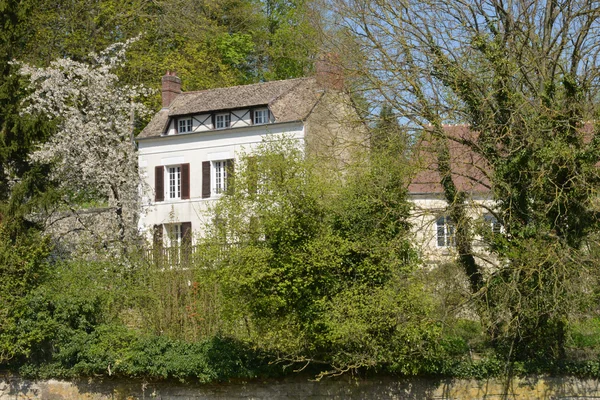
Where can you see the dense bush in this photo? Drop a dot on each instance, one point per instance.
(73, 323)
(24, 266)
(114, 350)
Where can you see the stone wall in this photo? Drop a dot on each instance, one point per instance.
(13, 387)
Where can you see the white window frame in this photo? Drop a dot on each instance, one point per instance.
(261, 116)
(445, 233)
(222, 121)
(173, 239)
(185, 125)
(174, 234)
(219, 177)
(173, 182)
(494, 225)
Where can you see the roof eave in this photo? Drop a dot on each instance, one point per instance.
(216, 111)
(218, 130)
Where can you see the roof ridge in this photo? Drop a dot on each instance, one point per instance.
(249, 84)
(289, 90)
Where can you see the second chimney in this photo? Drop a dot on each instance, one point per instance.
(329, 72)
(171, 87)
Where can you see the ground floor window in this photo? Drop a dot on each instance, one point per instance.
(175, 234)
(172, 243)
(493, 223)
(445, 232)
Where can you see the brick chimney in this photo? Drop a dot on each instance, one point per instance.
(329, 72)
(171, 87)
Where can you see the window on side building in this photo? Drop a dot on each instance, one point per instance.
(492, 222)
(445, 232)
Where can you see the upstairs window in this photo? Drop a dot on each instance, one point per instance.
(445, 232)
(174, 179)
(216, 177)
(220, 174)
(261, 116)
(172, 182)
(184, 125)
(222, 121)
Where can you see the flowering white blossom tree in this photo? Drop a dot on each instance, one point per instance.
(92, 154)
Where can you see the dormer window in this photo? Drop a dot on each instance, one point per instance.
(184, 125)
(222, 121)
(261, 116)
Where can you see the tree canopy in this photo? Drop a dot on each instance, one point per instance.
(523, 76)
(320, 266)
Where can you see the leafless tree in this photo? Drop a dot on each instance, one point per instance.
(523, 76)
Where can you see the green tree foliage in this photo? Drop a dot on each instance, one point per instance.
(523, 77)
(292, 38)
(388, 128)
(211, 44)
(20, 180)
(74, 319)
(23, 267)
(319, 265)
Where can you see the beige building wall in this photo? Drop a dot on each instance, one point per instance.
(426, 210)
(334, 131)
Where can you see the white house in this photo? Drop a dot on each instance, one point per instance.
(189, 149)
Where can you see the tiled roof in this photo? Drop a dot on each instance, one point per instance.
(470, 171)
(289, 100)
(468, 168)
(156, 126)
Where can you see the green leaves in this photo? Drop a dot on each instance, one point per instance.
(23, 267)
(326, 274)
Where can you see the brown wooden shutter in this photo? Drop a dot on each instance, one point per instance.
(186, 233)
(157, 245)
(185, 181)
(251, 117)
(157, 232)
(176, 122)
(159, 186)
(205, 179)
(252, 175)
(230, 176)
(186, 241)
(212, 118)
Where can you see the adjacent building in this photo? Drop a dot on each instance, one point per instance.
(434, 230)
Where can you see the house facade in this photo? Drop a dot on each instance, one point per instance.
(188, 152)
(433, 228)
